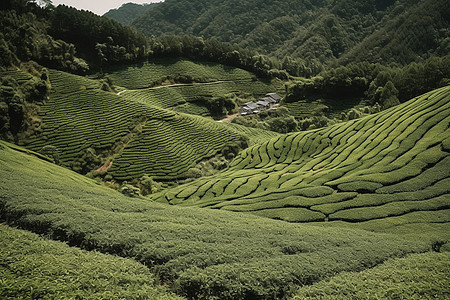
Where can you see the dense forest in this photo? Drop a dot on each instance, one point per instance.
(313, 32)
(64, 37)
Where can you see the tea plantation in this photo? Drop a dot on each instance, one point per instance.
(197, 253)
(417, 276)
(145, 75)
(366, 202)
(385, 172)
(90, 127)
(37, 268)
(192, 98)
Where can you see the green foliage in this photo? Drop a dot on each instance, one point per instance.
(275, 119)
(216, 51)
(128, 12)
(25, 37)
(33, 267)
(410, 34)
(220, 106)
(379, 84)
(388, 97)
(129, 190)
(417, 276)
(92, 128)
(197, 252)
(305, 36)
(53, 35)
(20, 96)
(386, 166)
(282, 124)
(98, 39)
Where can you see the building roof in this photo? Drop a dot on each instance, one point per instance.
(251, 105)
(274, 96)
(269, 99)
(263, 103)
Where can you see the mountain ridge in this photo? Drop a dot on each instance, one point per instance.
(323, 30)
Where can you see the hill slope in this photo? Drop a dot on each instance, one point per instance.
(128, 12)
(310, 30)
(198, 253)
(132, 133)
(90, 127)
(387, 171)
(61, 272)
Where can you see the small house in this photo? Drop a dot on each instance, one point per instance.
(269, 99)
(249, 108)
(274, 96)
(263, 104)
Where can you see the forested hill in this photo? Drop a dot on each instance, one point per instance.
(65, 38)
(128, 12)
(375, 30)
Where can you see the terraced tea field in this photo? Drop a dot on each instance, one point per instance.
(35, 268)
(367, 202)
(388, 172)
(417, 276)
(144, 75)
(191, 98)
(138, 138)
(197, 253)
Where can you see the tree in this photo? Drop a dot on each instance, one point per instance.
(389, 96)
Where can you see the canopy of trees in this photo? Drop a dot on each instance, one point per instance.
(304, 35)
(64, 37)
(128, 12)
(387, 86)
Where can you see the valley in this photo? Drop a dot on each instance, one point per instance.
(130, 170)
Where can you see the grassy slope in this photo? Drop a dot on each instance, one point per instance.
(387, 172)
(191, 98)
(209, 80)
(143, 75)
(197, 252)
(140, 138)
(36, 268)
(417, 276)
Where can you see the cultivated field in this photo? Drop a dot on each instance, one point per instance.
(90, 127)
(198, 253)
(36, 268)
(145, 75)
(388, 172)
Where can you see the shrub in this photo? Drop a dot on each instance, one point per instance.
(129, 190)
(283, 124)
(194, 173)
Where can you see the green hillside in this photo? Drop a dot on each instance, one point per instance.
(128, 12)
(36, 268)
(90, 127)
(148, 74)
(416, 33)
(417, 276)
(133, 133)
(199, 253)
(311, 31)
(387, 172)
(190, 87)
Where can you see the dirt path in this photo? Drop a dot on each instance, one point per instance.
(229, 118)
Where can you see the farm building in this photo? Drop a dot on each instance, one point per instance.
(263, 104)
